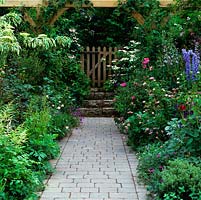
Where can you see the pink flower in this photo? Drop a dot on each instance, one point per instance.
(145, 61)
(133, 98)
(151, 170)
(123, 84)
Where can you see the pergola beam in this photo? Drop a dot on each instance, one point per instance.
(25, 3)
(96, 3)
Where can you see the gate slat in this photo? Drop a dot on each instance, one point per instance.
(110, 61)
(93, 65)
(82, 61)
(104, 64)
(88, 61)
(99, 67)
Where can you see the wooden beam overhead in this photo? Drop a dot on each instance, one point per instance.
(25, 3)
(165, 3)
(96, 3)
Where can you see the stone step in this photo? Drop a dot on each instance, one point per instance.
(100, 96)
(97, 103)
(97, 112)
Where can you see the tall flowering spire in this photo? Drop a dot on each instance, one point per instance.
(192, 62)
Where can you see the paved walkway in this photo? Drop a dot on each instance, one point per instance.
(94, 165)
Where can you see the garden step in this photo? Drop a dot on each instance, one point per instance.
(97, 112)
(97, 103)
(100, 95)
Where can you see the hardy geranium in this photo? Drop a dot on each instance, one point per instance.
(123, 84)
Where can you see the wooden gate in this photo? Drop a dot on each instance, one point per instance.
(96, 61)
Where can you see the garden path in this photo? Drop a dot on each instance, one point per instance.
(95, 164)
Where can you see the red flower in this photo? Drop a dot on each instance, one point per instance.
(182, 107)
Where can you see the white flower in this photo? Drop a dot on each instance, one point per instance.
(115, 67)
(124, 59)
(72, 30)
(58, 107)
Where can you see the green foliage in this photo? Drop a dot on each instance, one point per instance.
(41, 145)
(18, 181)
(97, 26)
(181, 179)
(62, 123)
(44, 42)
(188, 129)
(8, 40)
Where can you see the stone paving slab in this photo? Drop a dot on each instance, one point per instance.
(95, 164)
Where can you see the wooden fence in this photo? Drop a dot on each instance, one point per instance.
(95, 62)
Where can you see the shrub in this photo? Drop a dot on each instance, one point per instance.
(180, 180)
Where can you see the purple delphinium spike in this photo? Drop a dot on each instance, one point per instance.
(186, 58)
(195, 65)
(192, 62)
